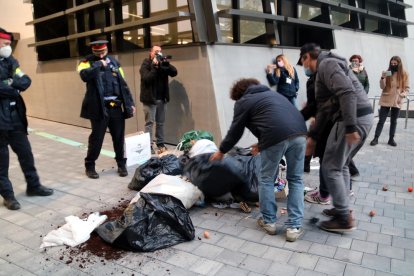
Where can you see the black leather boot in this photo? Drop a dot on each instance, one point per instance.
(39, 191)
(122, 171)
(90, 171)
(374, 141)
(391, 141)
(11, 203)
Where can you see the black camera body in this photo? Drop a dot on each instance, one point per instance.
(163, 60)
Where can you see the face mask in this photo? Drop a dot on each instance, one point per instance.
(354, 64)
(5, 51)
(280, 64)
(394, 68)
(308, 71)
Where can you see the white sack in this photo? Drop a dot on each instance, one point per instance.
(74, 232)
(202, 146)
(172, 185)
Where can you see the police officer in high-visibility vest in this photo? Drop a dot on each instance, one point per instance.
(13, 126)
(107, 103)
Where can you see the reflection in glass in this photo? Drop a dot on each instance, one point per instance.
(339, 18)
(226, 28)
(371, 25)
(308, 12)
(252, 5)
(250, 30)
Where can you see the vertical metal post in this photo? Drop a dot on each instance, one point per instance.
(406, 112)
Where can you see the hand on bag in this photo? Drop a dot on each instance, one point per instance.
(255, 150)
(133, 109)
(352, 138)
(218, 155)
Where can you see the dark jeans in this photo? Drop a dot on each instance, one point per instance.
(19, 143)
(116, 124)
(383, 113)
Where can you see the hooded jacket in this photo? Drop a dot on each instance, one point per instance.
(10, 93)
(268, 115)
(339, 94)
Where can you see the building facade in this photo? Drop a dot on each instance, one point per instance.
(213, 43)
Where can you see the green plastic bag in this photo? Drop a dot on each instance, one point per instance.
(185, 141)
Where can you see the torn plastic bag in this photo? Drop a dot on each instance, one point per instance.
(154, 222)
(168, 164)
(250, 169)
(214, 178)
(174, 186)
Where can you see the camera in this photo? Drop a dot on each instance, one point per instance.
(163, 60)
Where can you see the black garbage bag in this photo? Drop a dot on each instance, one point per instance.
(168, 164)
(250, 169)
(214, 178)
(154, 222)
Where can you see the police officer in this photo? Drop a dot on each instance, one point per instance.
(107, 103)
(13, 126)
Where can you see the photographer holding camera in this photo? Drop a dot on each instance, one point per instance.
(155, 92)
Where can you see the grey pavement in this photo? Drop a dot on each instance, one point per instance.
(381, 245)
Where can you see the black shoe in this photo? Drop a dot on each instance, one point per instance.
(91, 173)
(122, 171)
(39, 191)
(391, 142)
(11, 203)
(374, 141)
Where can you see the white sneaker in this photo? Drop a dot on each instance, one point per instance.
(270, 228)
(292, 234)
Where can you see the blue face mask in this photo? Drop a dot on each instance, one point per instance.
(308, 71)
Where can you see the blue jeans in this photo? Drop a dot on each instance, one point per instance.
(294, 151)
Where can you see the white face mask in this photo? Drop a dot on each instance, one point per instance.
(5, 51)
(281, 64)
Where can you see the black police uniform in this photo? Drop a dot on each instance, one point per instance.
(107, 103)
(13, 127)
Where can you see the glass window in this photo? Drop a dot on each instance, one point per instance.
(371, 25)
(250, 30)
(339, 18)
(185, 34)
(134, 37)
(131, 11)
(308, 12)
(226, 28)
(223, 4)
(252, 5)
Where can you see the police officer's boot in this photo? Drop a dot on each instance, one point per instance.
(122, 170)
(90, 171)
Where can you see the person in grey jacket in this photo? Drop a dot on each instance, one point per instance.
(340, 98)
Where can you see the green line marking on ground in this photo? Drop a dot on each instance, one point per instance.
(69, 142)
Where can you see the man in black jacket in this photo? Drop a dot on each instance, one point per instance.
(107, 103)
(281, 131)
(13, 126)
(155, 92)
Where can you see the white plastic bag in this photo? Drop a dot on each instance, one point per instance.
(138, 148)
(74, 232)
(175, 186)
(202, 146)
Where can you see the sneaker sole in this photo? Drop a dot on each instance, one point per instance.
(341, 230)
(291, 239)
(318, 202)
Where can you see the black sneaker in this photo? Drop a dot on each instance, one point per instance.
(11, 203)
(122, 171)
(39, 191)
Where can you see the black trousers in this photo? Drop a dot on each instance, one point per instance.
(19, 143)
(383, 113)
(115, 122)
